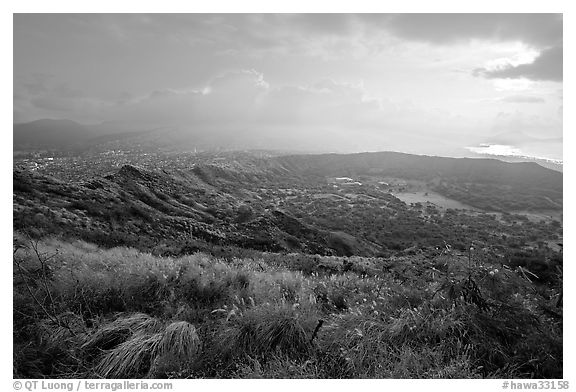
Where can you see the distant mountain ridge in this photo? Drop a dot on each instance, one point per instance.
(424, 167)
(70, 136)
(49, 133)
(488, 184)
(66, 135)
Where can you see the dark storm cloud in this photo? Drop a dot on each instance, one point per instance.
(220, 31)
(547, 66)
(324, 23)
(538, 30)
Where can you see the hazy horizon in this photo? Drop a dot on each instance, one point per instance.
(436, 84)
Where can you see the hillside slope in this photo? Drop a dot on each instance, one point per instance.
(144, 208)
(514, 186)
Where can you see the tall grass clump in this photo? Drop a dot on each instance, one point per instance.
(266, 331)
(131, 359)
(177, 349)
(112, 334)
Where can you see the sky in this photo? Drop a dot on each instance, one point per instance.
(437, 84)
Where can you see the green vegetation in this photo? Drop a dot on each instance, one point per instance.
(232, 265)
(488, 184)
(175, 212)
(83, 311)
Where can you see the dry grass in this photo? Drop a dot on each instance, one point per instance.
(132, 358)
(178, 348)
(287, 335)
(255, 318)
(180, 340)
(118, 331)
(269, 330)
(149, 350)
